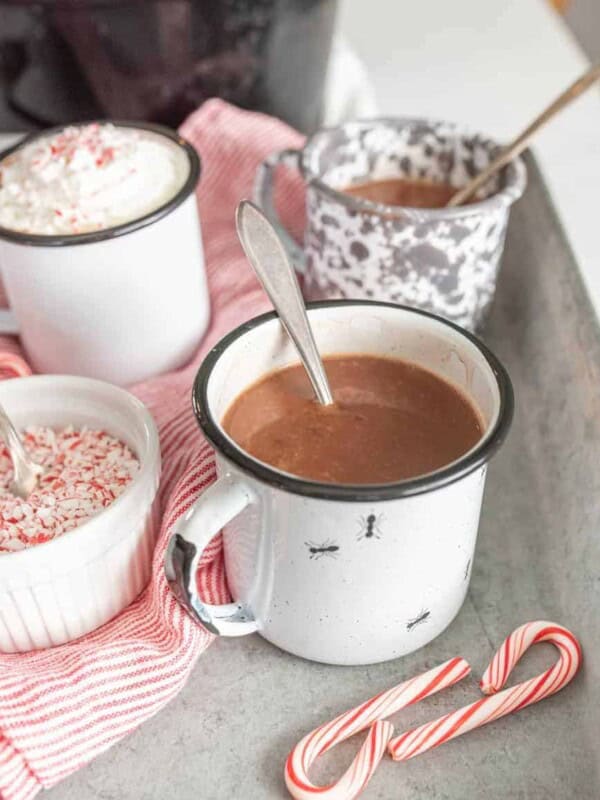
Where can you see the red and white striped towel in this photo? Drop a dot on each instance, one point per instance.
(60, 708)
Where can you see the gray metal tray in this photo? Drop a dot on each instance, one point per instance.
(226, 736)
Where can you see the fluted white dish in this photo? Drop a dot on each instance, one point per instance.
(54, 592)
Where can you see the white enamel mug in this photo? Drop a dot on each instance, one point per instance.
(120, 304)
(340, 574)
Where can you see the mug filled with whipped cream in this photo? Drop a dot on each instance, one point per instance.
(101, 251)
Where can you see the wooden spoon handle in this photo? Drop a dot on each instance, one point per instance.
(520, 143)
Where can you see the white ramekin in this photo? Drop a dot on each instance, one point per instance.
(54, 592)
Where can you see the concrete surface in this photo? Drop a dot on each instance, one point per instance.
(226, 736)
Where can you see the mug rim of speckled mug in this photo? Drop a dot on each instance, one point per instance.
(515, 174)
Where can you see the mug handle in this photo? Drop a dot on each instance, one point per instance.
(263, 197)
(217, 506)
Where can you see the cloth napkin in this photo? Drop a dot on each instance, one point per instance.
(61, 707)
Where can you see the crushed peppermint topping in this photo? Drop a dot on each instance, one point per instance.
(88, 178)
(86, 470)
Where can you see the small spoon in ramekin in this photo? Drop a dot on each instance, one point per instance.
(27, 472)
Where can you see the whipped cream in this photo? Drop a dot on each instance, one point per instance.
(89, 178)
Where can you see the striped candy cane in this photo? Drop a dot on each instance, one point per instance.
(368, 715)
(487, 709)
(13, 366)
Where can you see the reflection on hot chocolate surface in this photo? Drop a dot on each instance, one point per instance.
(401, 192)
(391, 420)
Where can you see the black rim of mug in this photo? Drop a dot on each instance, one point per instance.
(67, 240)
(471, 461)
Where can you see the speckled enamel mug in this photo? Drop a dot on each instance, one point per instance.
(441, 260)
(334, 573)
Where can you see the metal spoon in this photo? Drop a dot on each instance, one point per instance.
(270, 261)
(520, 143)
(26, 472)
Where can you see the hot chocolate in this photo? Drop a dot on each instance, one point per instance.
(391, 420)
(400, 192)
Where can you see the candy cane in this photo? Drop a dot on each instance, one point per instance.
(419, 740)
(13, 366)
(368, 715)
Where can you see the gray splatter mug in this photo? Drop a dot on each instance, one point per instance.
(442, 260)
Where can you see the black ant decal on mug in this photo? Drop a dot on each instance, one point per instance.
(369, 527)
(422, 617)
(328, 548)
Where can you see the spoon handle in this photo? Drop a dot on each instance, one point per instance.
(274, 270)
(520, 143)
(26, 472)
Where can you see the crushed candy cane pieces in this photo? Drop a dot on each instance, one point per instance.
(86, 470)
